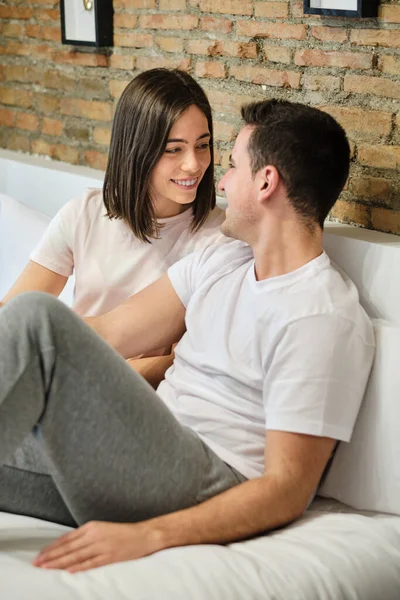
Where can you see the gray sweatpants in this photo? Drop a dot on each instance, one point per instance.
(109, 447)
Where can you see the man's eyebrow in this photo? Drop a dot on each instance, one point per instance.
(204, 135)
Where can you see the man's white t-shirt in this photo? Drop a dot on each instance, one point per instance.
(289, 353)
(110, 262)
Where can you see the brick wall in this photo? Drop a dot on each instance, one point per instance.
(58, 100)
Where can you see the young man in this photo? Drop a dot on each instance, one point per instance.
(269, 374)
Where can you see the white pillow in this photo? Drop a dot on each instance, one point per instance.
(365, 473)
(21, 229)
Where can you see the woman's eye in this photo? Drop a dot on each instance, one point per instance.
(204, 146)
(173, 150)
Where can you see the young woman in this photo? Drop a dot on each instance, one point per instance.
(156, 206)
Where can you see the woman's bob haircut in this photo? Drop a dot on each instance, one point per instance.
(145, 114)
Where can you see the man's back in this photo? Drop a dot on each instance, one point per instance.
(242, 366)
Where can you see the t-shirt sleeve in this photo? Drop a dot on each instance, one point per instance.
(55, 249)
(315, 381)
(185, 275)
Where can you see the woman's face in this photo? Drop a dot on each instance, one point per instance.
(176, 176)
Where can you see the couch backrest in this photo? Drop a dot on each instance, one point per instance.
(365, 473)
(21, 229)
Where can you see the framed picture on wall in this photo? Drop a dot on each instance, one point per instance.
(87, 22)
(342, 8)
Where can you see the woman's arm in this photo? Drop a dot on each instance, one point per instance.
(37, 278)
(152, 368)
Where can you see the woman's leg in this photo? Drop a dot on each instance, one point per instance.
(115, 451)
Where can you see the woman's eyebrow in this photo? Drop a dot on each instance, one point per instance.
(204, 135)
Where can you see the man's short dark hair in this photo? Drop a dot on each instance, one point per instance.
(309, 149)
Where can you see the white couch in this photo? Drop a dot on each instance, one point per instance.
(335, 552)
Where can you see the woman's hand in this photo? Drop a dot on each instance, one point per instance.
(99, 543)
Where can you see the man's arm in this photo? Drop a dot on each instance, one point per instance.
(294, 465)
(152, 318)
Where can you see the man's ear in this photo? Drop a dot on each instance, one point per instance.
(268, 182)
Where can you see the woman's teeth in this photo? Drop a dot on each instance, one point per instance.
(185, 182)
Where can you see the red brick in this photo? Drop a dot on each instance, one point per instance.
(228, 102)
(385, 219)
(48, 14)
(231, 7)
(121, 61)
(327, 83)
(16, 12)
(133, 40)
(46, 104)
(224, 131)
(179, 22)
(330, 34)
(264, 29)
(152, 62)
(134, 4)
(350, 212)
(271, 10)
(378, 86)
(269, 77)
(372, 189)
(57, 151)
(52, 126)
(16, 97)
(383, 157)
(7, 117)
(102, 135)
(389, 13)
(27, 121)
(117, 87)
(12, 30)
(277, 54)
(359, 120)
(18, 141)
(224, 48)
(91, 109)
(321, 58)
(17, 73)
(210, 69)
(97, 160)
(50, 34)
(75, 57)
(170, 44)
(13, 48)
(216, 25)
(125, 21)
(388, 38)
(389, 64)
(171, 5)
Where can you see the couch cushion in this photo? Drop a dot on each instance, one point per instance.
(365, 473)
(21, 229)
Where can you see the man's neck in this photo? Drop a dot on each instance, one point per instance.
(285, 248)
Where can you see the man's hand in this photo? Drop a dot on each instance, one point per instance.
(98, 543)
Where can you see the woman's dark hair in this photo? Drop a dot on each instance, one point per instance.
(145, 114)
(308, 148)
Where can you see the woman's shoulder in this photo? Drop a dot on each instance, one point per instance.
(87, 206)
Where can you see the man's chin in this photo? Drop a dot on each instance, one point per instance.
(227, 230)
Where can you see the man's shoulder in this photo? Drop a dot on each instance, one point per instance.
(224, 256)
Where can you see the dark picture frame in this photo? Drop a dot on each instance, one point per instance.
(82, 27)
(364, 8)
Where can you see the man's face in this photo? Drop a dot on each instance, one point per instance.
(239, 186)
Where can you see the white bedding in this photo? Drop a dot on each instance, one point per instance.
(330, 554)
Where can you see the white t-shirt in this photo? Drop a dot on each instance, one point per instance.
(109, 261)
(289, 353)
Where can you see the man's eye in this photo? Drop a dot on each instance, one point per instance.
(231, 166)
